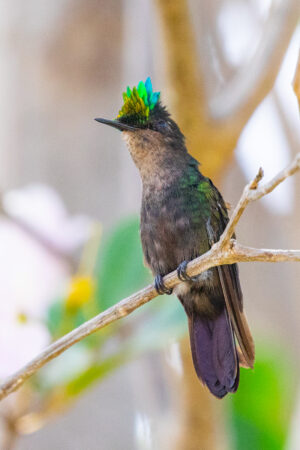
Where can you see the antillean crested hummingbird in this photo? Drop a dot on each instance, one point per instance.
(182, 215)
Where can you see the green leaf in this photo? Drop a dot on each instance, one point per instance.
(94, 373)
(55, 316)
(121, 271)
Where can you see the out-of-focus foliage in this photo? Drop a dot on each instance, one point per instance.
(261, 409)
(119, 272)
(120, 269)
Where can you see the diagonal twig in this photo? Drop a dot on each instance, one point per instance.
(253, 191)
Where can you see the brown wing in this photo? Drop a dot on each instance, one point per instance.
(229, 279)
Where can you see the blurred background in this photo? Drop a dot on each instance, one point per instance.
(70, 198)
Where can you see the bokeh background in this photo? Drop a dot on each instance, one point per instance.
(70, 198)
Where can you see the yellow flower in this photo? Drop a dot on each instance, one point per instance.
(80, 292)
(22, 318)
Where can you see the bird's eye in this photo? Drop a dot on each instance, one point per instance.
(161, 125)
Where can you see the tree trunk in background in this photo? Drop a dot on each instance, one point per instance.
(201, 414)
(212, 141)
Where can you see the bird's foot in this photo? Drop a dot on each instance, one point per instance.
(181, 272)
(160, 286)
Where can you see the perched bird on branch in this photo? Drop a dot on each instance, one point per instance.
(182, 216)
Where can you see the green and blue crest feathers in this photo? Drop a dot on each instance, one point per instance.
(138, 102)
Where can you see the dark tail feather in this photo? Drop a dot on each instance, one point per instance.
(234, 303)
(214, 353)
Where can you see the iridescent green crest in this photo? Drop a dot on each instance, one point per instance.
(138, 102)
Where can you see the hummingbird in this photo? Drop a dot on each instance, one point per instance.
(182, 215)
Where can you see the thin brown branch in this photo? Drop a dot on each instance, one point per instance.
(279, 178)
(240, 208)
(253, 192)
(225, 251)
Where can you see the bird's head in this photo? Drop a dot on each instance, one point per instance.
(142, 110)
(150, 132)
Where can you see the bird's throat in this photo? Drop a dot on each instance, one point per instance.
(156, 162)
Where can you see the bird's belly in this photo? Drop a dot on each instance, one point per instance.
(169, 234)
(162, 250)
(203, 296)
(204, 279)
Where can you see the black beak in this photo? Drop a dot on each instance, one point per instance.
(115, 124)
